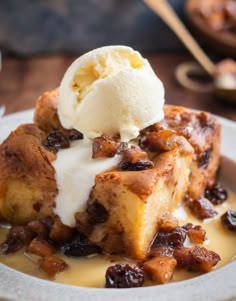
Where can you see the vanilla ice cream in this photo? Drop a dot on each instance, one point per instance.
(110, 90)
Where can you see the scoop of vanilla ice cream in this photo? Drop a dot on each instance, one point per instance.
(111, 90)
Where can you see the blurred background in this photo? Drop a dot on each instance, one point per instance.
(39, 40)
(74, 26)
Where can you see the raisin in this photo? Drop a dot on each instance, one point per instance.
(174, 239)
(56, 140)
(79, 247)
(38, 228)
(75, 135)
(124, 276)
(196, 258)
(204, 159)
(97, 213)
(18, 237)
(216, 194)
(139, 165)
(202, 208)
(229, 220)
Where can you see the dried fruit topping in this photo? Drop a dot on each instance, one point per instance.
(124, 276)
(104, 146)
(56, 140)
(38, 228)
(229, 220)
(97, 213)
(196, 258)
(161, 251)
(134, 159)
(216, 194)
(52, 265)
(158, 141)
(196, 233)
(139, 165)
(41, 247)
(80, 246)
(202, 208)
(174, 239)
(18, 237)
(168, 222)
(204, 158)
(134, 154)
(75, 135)
(160, 269)
(61, 233)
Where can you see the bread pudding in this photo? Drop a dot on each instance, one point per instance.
(116, 192)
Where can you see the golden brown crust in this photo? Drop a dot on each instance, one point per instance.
(203, 131)
(27, 184)
(45, 116)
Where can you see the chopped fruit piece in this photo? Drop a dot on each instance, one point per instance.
(104, 146)
(17, 238)
(124, 276)
(160, 269)
(161, 251)
(52, 265)
(196, 258)
(173, 238)
(80, 246)
(97, 213)
(216, 194)
(60, 232)
(41, 247)
(38, 228)
(229, 220)
(75, 135)
(139, 165)
(196, 234)
(57, 140)
(134, 154)
(202, 208)
(135, 159)
(168, 222)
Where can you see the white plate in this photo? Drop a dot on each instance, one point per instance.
(218, 285)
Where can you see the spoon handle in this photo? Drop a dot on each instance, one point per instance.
(167, 14)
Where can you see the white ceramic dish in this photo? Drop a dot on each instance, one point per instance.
(218, 285)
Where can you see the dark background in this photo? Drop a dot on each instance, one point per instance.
(74, 26)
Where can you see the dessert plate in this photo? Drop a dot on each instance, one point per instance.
(218, 285)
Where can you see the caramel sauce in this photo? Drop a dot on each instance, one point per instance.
(90, 271)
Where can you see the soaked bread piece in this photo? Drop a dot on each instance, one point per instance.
(27, 183)
(134, 201)
(203, 132)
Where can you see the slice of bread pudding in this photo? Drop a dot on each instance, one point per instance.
(203, 132)
(124, 206)
(132, 202)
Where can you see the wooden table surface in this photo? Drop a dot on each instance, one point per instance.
(23, 80)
